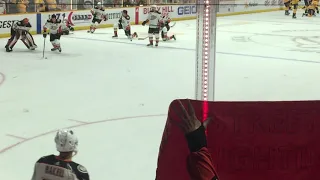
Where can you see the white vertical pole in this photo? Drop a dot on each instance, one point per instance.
(206, 49)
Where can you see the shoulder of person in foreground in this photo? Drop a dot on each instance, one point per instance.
(200, 166)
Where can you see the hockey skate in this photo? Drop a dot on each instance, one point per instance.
(115, 36)
(294, 16)
(286, 13)
(174, 37)
(92, 30)
(33, 47)
(129, 37)
(56, 48)
(8, 49)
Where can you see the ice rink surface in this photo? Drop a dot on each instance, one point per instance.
(115, 93)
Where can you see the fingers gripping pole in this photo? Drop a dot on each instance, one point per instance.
(206, 49)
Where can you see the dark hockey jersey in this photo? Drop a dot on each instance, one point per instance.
(52, 168)
(21, 26)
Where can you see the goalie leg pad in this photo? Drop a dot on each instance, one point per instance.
(30, 39)
(14, 40)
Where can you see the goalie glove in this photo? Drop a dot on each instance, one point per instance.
(144, 23)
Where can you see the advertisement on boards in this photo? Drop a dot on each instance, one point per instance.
(6, 22)
(162, 9)
(187, 10)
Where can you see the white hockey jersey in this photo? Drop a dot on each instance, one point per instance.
(125, 21)
(54, 27)
(66, 24)
(154, 18)
(98, 13)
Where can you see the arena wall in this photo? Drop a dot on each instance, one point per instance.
(82, 19)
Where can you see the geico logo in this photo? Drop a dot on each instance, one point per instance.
(7, 24)
(187, 10)
(81, 17)
(114, 15)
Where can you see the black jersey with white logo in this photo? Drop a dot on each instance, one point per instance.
(52, 168)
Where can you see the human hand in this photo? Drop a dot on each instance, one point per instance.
(189, 119)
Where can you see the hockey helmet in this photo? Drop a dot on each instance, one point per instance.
(53, 16)
(99, 4)
(153, 7)
(25, 20)
(125, 12)
(66, 141)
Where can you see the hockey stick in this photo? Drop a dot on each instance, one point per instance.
(143, 38)
(174, 23)
(44, 47)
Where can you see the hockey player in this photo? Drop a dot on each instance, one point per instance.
(311, 9)
(20, 30)
(153, 19)
(98, 15)
(124, 23)
(66, 26)
(54, 25)
(165, 27)
(61, 167)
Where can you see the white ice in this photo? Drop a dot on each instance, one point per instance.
(115, 93)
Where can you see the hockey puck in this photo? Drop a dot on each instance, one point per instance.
(45, 58)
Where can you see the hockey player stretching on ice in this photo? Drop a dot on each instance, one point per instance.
(61, 167)
(153, 19)
(20, 30)
(98, 15)
(55, 27)
(66, 26)
(165, 27)
(124, 23)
